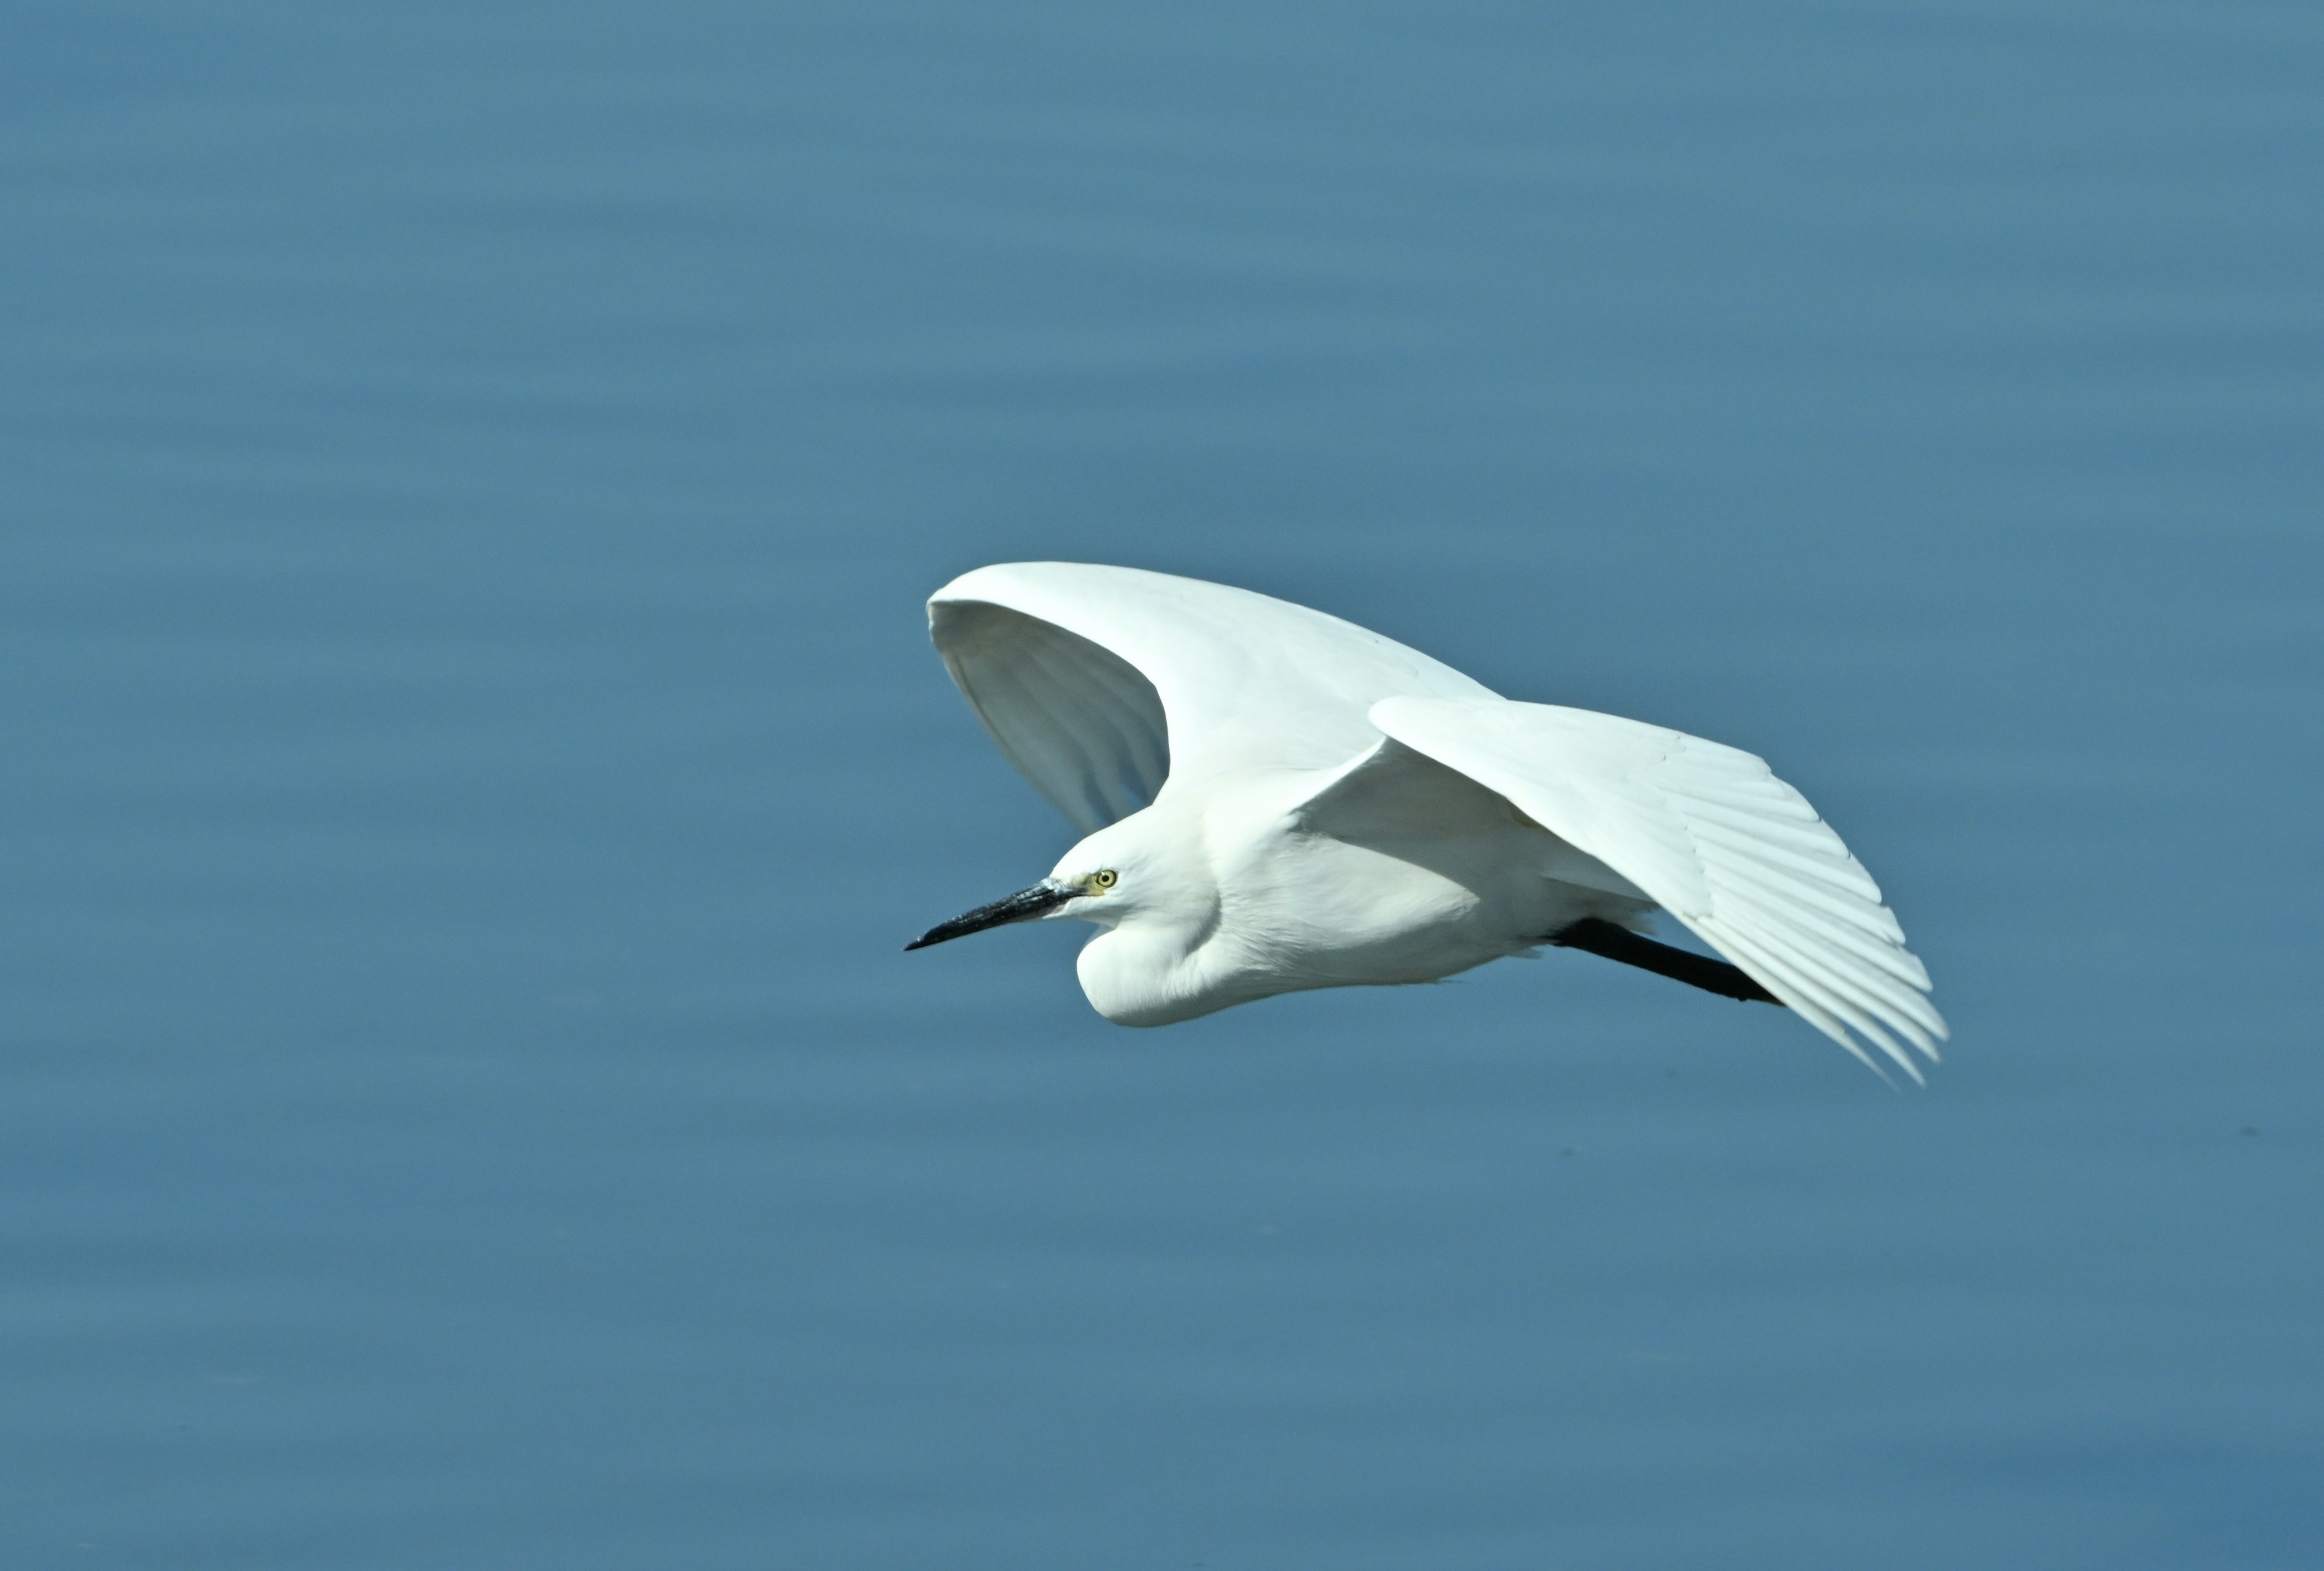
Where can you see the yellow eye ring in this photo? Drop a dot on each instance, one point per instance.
(1105, 880)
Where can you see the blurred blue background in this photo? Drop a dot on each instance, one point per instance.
(469, 757)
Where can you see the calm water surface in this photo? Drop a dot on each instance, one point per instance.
(467, 480)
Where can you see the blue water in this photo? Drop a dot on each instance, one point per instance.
(469, 758)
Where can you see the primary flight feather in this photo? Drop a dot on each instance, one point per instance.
(1273, 799)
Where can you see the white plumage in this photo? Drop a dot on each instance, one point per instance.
(1273, 799)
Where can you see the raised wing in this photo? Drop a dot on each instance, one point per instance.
(1102, 685)
(1714, 838)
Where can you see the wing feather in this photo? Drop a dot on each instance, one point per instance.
(1104, 685)
(1112, 755)
(1766, 848)
(1770, 905)
(1077, 721)
(1709, 833)
(1810, 995)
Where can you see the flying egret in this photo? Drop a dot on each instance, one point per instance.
(1273, 799)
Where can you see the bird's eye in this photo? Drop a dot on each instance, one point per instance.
(1105, 880)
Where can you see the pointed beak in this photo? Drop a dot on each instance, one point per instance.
(1023, 906)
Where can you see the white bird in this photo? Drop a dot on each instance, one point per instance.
(1276, 800)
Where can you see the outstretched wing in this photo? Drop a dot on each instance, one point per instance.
(1714, 838)
(1103, 684)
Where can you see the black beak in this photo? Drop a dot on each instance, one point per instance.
(1022, 906)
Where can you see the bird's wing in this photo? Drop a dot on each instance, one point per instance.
(1102, 683)
(1714, 838)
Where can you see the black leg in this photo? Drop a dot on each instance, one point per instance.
(1603, 938)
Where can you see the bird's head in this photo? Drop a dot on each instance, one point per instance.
(1107, 878)
(1148, 883)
